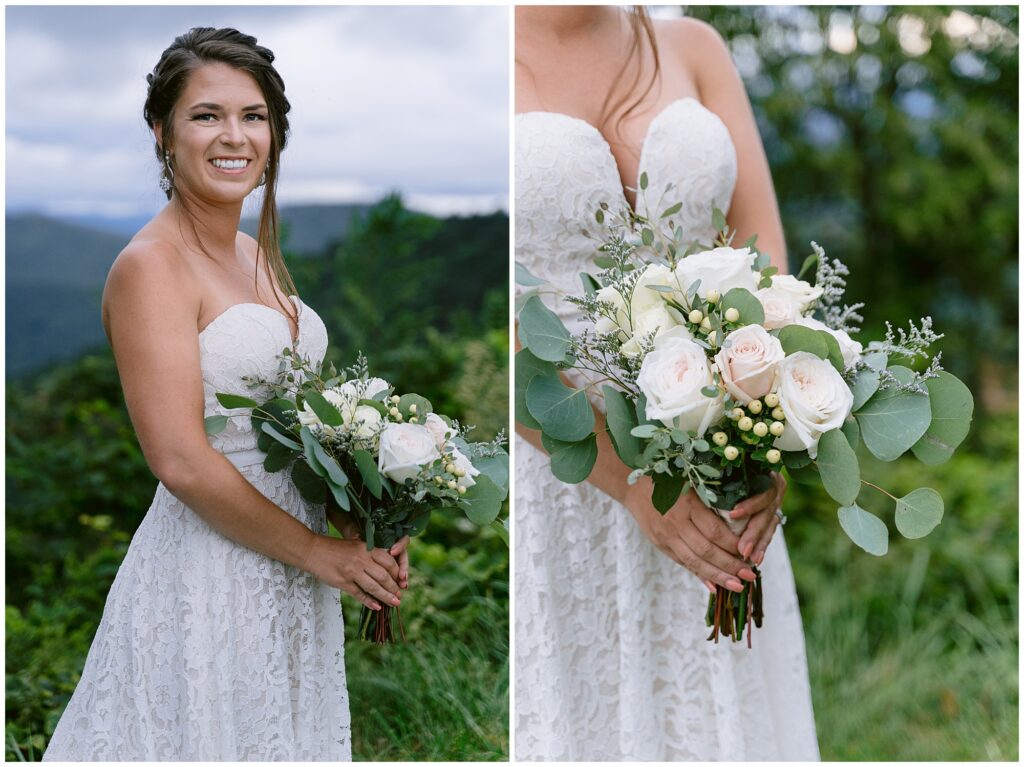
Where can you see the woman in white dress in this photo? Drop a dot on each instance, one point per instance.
(612, 661)
(222, 637)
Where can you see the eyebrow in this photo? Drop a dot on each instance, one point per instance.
(218, 107)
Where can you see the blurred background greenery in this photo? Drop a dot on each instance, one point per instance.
(892, 137)
(426, 300)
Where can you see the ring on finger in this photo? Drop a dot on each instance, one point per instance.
(781, 516)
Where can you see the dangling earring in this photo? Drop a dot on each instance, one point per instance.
(263, 179)
(167, 179)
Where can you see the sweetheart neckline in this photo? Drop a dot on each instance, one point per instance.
(296, 302)
(608, 147)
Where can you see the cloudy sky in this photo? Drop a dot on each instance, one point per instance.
(413, 99)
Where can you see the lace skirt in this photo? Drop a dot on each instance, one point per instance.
(208, 650)
(612, 661)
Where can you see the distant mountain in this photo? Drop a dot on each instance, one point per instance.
(308, 229)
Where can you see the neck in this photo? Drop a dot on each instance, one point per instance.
(563, 22)
(215, 226)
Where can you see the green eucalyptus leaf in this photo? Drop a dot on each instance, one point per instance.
(671, 211)
(892, 421)
(542, 332)
(590, 284)
(746, 303)
(667, 489)
(501, 527)
(852, 432)
(809, 263)
(367, 467)
(494, 466)
(527, 366)
(864, 386)
(644, 431)
(571, 462)
(837, 464)
(797, 338)
(718, 222)
(232, 401)
(620, 418)
(278, 457)
(423, 406)
(563, 413)
(835, 354)
(643, 180)
(865, 529)
(340, 495)
(271, 431)
(527, 278)
(324, 410)
(215, 424)
(919, 512)
(952, 408)
(310, 486)
(797, 459)
(482, 501)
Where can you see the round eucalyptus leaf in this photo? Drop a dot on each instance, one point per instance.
(864, 385)
(852, 432)
(865, 529)
(215, 424)
(952, 407)
(562, 413)
(620, 417)
(746, 303)
(835, 354)
(482, 501)
(837, 464)
(571, 462)
(527, 366)
(527, 278)
(892, 421)
(232, 401)
(797, 338)
(918, 512)
(542, 332)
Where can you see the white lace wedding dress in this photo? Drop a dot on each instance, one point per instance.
(208, 650)
(611, 657)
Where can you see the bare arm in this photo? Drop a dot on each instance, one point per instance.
(151, 317)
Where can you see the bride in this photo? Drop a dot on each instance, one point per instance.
(222, 636)
(611, 657)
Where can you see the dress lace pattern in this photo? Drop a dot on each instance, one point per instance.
(611, 657)
(208, 650)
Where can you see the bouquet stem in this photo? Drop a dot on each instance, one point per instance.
(378, 626)
(729, 613)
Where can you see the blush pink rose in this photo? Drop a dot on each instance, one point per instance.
(748, 361)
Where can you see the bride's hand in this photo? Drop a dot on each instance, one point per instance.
(695, 537)
(371, 576)
(346, 525)
(760, 511)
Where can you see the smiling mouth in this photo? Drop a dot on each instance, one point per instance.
(224, 164)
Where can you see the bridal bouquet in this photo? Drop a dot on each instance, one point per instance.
(385, 459)
(715, 372)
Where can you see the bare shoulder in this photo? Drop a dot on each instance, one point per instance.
(697, 42)
(247, 244)
(149, 271)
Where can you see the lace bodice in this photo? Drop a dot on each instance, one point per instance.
(246, 340)
(564, 170)
(611, 658)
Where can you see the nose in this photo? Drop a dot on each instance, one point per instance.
(233, 135)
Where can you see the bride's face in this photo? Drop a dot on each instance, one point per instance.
(221, 137)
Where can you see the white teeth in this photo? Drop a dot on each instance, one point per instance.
(230, 164)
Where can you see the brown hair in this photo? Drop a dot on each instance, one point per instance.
(643, 29)
(188, 52)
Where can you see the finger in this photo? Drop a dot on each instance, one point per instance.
(384, 559)
(713, 528)
(385, 578)
(709, 586)
(369, 583)
(762, 545)
(400, 545)
(403, 569)
(752, 534)
(710, 552)
(365, 599)
(702, 568)
(755, 503)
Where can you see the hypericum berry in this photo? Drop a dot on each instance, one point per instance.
(462, 490)
(452, 484)
(695, 316)
(438, 479)
(412, 409)
(745, 424)
(736, 413)
(773, 456)
(732, 314)
(449, 468)
(755, 406)
(393, 412)
(399, 417)
(731, 453)
(771, 400)
(760, 428)
(395, 398)
(705, 324)
(778, 415)
(777, 428)
(713, 337)
(414, 419)
(720, 438)
(713, 296)
(459, 472)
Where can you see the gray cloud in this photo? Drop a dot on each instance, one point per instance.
(383, 98)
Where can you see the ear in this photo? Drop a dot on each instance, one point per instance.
(158, 134)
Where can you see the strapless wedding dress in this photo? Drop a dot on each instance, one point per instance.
(208, 650)
(611, 657)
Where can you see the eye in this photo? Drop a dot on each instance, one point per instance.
(205, 117)
(255, 117)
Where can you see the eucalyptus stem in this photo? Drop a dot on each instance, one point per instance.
(879, 489)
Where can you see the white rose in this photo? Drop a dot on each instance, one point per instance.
(606, 324)
(721, 269)
(748, 363)
(441, 431)
(344, 398)
(462, 462)
(786, 300)
(655, 320)
(851, 349)
(309, 418)
(367, 422)
(815, 399)
(405, 448)
(671, 377)
(374, 386)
